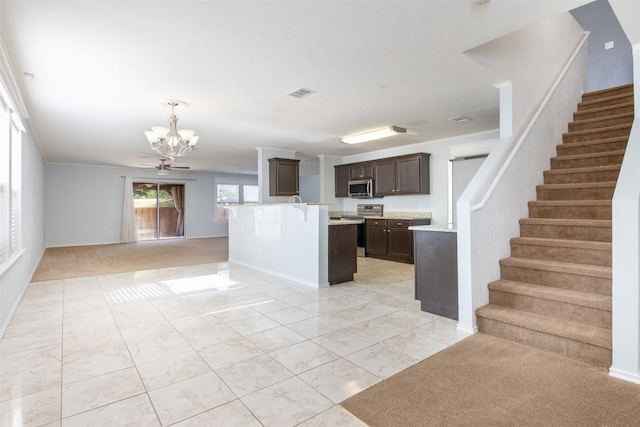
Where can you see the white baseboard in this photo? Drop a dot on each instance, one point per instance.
(632, 377)
(467, 330)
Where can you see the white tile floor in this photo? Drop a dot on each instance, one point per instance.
(213, 344)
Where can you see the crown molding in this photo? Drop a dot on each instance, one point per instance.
(9, 87)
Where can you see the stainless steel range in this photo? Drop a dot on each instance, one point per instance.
(363, 211)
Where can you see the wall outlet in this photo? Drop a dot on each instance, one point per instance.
(608, 45)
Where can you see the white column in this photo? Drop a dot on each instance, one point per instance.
(506, 108)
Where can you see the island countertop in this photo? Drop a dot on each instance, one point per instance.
(386, 215)
(344, 222)
(435, 227)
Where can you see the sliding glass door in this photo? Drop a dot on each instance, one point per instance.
(159, 210)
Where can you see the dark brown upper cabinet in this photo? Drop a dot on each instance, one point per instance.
(284, 177)
(361, 170)
(343, 174)
(393, 176)
(402, 175)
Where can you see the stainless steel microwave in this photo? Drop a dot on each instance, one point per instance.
(361, 188)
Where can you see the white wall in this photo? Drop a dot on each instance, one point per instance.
(310, 188)
(626, 254)
(328, 180)
(84, 203)
(437, 201)
(531, 59)
(15, 280)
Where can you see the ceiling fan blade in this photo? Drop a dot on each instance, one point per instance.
(180, 167)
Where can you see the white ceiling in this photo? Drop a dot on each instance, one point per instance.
(103, 68)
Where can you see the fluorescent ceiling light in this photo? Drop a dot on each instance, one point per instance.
(372, 135)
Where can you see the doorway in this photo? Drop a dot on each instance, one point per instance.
(159, 209)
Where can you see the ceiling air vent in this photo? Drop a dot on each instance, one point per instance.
(459, 119)
(301, 92)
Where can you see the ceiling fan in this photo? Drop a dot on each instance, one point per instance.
(164, 168)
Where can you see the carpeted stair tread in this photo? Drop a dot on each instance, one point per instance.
(581, 174)
(599, 337)
(563, 228)
(562, 243)
(577, 185)
(587, 159)
(581, 251)
(594, 146)
(590, 155)
(567, 203)
(616, 91)
(558, 267)
(571, 209)
(601, 122)
(603, 111)
(576, 191)
(562, 221)
(599, 133)
(586, 299)
(591, 102)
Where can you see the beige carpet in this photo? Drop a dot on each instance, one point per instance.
(78, 261)
(486, 381)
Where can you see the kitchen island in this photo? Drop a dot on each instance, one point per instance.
(343, 256)
(290, 240)
(436, 269)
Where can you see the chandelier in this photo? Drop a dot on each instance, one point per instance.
(170, 142)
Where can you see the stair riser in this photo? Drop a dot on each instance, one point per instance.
(561, 310)
(578, 255)
(589, 104)
(600, 123)
(576, 148)
(587, 193)
(607, 160)
(596, 285)
(570, 212)
(569, 232)
(605, 112)
(595, 135)
(587, 353)
(577, 177)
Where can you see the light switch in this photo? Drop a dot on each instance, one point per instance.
(608, 45)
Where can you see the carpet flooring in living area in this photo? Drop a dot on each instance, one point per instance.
(487, 381)
(79, 261)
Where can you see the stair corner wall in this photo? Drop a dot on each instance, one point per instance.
(491, 206)
(626, 254)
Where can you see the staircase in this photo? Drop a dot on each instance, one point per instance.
(554, 292)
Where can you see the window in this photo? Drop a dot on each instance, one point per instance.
(233, 194)
(10, 185)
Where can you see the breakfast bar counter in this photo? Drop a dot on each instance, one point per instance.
(293, 240)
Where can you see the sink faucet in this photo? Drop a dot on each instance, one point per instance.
(295, 196)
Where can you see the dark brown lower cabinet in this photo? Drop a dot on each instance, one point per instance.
(436, 272)
(343, 261)
(391, 238)
(376, 238)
